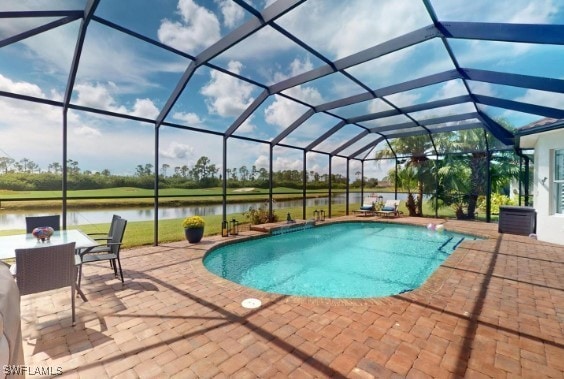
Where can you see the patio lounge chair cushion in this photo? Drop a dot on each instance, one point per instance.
(367, 208)
(389, 209)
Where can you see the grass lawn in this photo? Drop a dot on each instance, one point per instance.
(129, 196)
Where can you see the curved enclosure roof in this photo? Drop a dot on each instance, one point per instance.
(335, 77)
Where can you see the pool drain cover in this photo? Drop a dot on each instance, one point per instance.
(251, 303)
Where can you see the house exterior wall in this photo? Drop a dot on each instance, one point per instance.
(550, 226)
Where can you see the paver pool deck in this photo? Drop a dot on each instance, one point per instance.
(494, 308)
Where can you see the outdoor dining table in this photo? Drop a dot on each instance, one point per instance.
(9, 244)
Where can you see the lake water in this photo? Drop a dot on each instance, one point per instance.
(16, 220)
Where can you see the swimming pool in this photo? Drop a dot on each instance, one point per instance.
(342, 260)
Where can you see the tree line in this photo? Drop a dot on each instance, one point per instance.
(460, 181)
(26, 175)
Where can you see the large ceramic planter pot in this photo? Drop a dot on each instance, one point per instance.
(194, 235)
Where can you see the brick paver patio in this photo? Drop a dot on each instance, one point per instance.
(495, 308)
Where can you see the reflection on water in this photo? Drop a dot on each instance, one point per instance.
(16, 220)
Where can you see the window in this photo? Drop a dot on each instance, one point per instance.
(559, 180)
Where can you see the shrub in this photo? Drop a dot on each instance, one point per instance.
(496, 202)
(260, 215)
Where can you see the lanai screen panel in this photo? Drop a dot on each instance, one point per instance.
(122, 74)
(362, 108)
(385, 123)
(247, 164)
(309, 130)
(439, 91)
(35, 127)
(513, 119)
(212, 101)
(23, 64)
(412, 62)
(346, 133)
(287, 168)
(327, 88)
(510, 57)
(443, 111)
(270, 118)
(99, 143)
(321, 24)
(180, 150)
(189, 27)
(368, 140)
(532, 96)
(267, 57)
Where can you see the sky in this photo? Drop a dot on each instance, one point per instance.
(122, 74)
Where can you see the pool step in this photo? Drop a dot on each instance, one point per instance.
(443, 245)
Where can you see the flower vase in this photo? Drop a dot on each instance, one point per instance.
(194, 235)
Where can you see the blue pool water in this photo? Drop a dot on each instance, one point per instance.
(344, 260)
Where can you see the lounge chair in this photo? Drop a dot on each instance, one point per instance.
(367, 208)
(390, 209)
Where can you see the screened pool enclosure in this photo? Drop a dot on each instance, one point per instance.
(425, 91)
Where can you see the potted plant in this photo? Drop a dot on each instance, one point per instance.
(193, 228)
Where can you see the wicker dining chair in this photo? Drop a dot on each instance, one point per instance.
(33, 222)
(47, 268)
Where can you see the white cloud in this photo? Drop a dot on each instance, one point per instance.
(189, 118)
(449, 89)
(145, 108)
(353, 18)
(177, 151)
(22, 88)
(282, 112)
(284, 163)
(402, 99)
(247, 126)
(106, 54)
(31, 130)
(515, 11)
(543, 98)
(535, 12)
(198, 29)
(99, 96)
(482, 88)
(227, 96)
(299, 66)
(262, 162)
(232, 13)
(86, 131)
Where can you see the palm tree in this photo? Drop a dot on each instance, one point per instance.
(407, 179)
(416, 148)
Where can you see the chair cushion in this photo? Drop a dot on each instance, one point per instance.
(366, 208)
(389, 209)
